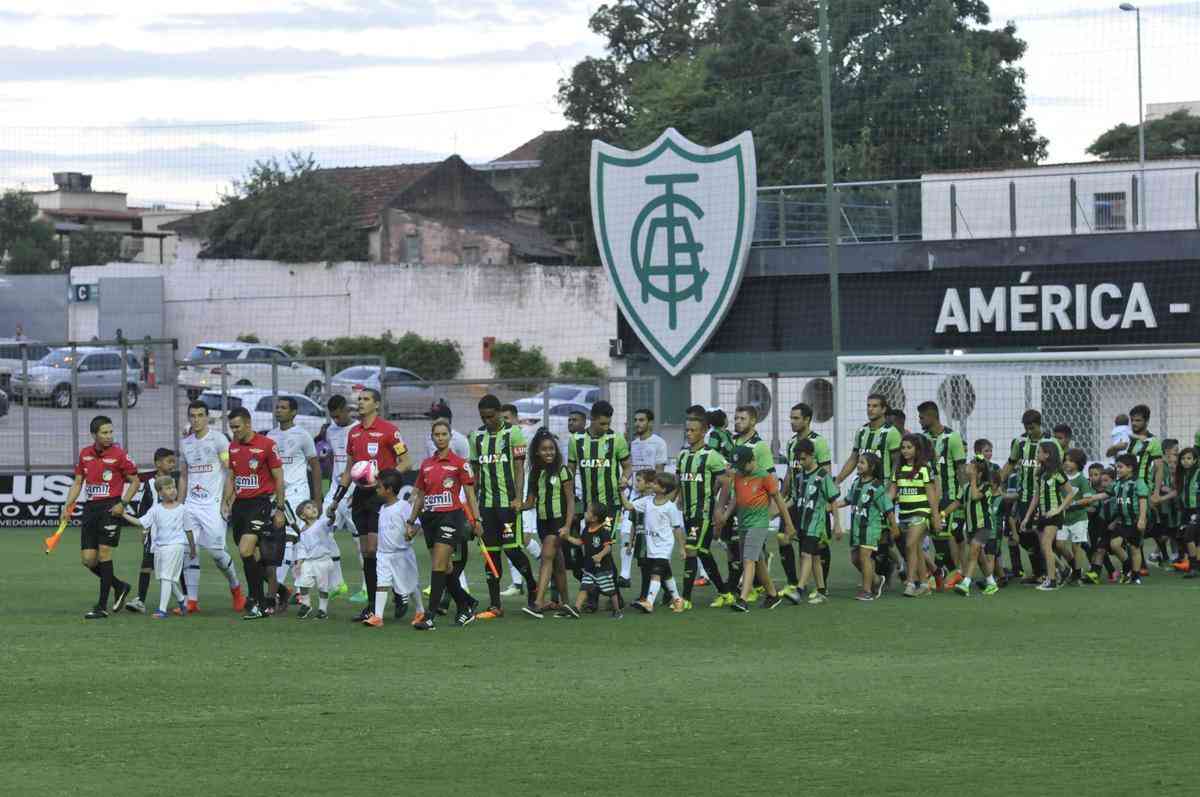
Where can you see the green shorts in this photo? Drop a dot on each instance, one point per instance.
(865, 538)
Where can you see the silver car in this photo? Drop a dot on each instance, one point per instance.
(98, 377)
(406, 394)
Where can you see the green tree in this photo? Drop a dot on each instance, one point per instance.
(581, 368)
(429, 358)
(510, 360)
(26, 246)
(291, 213)
(92, 247)
(1174, 135)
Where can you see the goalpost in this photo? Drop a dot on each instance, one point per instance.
(983, 395)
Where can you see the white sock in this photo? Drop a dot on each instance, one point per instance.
(462, 580)
(176, 590)
(224, 563)
(534, 546)
(337, 570)
(991, 580)
(165, 591)
(191, 576)
(652, 593)
(700, 571)
(966, 582)
(671, 590)
(415, 599)
(381, 597)
(626, 557)
(323, 601)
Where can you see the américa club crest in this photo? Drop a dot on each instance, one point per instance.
(673, 223)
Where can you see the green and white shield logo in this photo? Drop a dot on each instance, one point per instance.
(673, 222)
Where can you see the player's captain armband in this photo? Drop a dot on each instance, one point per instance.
(400, 449)
(518, 452)
(224, 457)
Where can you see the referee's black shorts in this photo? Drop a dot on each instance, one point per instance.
(365, 504)
(98, 526)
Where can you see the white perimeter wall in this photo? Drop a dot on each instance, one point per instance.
(568, 311)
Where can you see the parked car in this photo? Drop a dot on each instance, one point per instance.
(209, 360)
(557, 394)
(261, 403)
(3, 404)
(10, 356)
(529, 416)
(98, 377)
(406, 394)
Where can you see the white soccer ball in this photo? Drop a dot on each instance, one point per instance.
(364, 472)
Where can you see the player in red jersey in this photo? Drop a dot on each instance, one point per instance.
(108, 478)
(255, 477)
(378, 441)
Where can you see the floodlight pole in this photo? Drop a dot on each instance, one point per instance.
(832, 212)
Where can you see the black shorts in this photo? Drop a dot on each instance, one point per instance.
(548, 527)
(1127, 534)
(1019, 509)
(810, 545)
(501, 529)
(271, 547)
(1043, 523)
(98, 526)
(252, 516)
(697, 532)
(448, 528)
(364, 510)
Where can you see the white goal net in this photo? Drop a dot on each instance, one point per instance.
(984, 395)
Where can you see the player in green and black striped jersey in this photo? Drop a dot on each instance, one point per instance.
(600, 456)
(498, 465)
(947, 461)
(1023, 461)
(801, 422)
(1166, 516)
(703, 476)
(877, 437)
(814, 493)
(552, 494)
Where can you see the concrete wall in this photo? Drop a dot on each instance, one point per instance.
(568, 311)
(1043, 199)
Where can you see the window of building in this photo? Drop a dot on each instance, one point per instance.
(471, 255)
(412, 248)
(1110, 210)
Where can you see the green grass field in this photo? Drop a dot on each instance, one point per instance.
(1087, 690)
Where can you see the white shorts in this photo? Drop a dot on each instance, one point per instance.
(320, 573)
(1076, 532)
(398, 571)
(168, 562)
(207, 526)
(342, 519)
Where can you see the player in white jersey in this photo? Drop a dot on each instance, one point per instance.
(395, 562)
(337, 434)
(203, 458)
(647, 451)
(301, 474)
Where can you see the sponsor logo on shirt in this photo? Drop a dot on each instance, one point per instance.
(493, 459)
(439, 500)
(246, 482)
(200, 468)
(602, 462)
(253, 464)
(96, 489)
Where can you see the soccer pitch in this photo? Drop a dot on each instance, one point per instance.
(1020, 693)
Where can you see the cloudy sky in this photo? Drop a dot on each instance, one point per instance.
(169, 99)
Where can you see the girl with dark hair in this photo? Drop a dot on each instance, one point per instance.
(870, 510)
(552, 494)
(1054, 496)
(915, 493)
